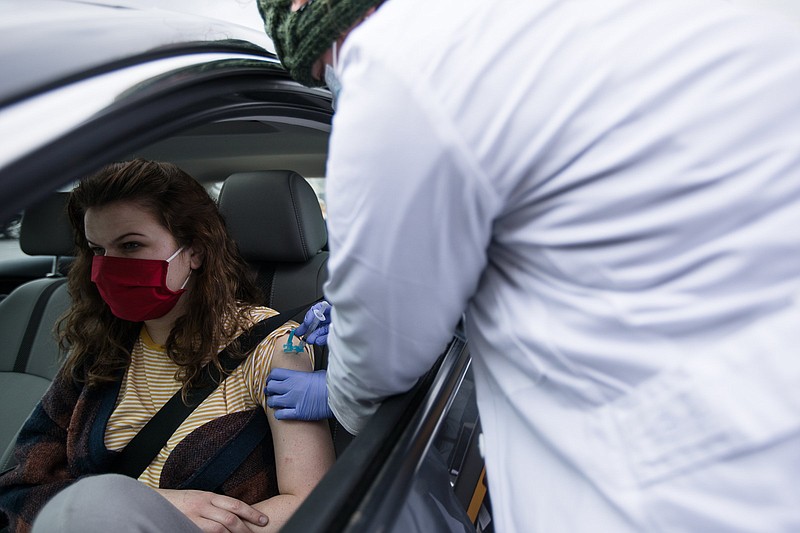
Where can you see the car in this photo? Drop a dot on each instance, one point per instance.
(10, 226)
(89, 83)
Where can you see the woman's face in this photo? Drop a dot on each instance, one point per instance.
(126, 229)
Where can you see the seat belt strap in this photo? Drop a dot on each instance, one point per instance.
(24, 354)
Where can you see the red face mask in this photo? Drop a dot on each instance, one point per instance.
(135, 289)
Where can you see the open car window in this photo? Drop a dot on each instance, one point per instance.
(215, 109)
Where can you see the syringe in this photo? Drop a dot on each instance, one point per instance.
(319, 317)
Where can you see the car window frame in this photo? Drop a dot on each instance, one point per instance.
(146, 103)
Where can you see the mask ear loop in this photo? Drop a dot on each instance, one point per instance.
(331, 78)
(173, 256)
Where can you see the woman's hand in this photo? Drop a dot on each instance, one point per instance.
(215, 513)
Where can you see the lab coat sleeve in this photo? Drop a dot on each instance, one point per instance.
(410, 217)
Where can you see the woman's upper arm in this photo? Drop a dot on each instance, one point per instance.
(303, 450)
(268, 355)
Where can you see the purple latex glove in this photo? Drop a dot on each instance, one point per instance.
(297, 395)
(316, 324)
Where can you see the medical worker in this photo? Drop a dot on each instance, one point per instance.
(610, 192)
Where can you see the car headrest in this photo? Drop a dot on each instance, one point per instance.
(45, 228)
(273, 215)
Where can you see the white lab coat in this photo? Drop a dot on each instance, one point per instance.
(611, 191)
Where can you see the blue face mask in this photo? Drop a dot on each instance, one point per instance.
(331, 78)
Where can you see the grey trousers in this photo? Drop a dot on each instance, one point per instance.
(111, 502)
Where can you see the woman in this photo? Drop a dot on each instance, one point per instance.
(158, 290)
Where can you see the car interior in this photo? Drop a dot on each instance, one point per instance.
(274, 216)
(29, 356)
(259, 169)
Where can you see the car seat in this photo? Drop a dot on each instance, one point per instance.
(29, 355)
(275, 218)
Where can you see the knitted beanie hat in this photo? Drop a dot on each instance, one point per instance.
(302, 36)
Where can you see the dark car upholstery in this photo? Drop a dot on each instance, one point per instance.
(29, 355)
(276, 220)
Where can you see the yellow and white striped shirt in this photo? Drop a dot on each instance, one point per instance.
(150, 382)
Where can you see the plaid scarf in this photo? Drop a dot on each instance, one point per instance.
(63, 441)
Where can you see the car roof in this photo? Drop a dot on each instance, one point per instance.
(79, 38)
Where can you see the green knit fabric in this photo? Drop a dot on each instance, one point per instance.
(301, 37)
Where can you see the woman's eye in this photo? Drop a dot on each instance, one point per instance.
(96, 250)
(130, 246)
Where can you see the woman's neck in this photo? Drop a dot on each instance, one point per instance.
(160, 328)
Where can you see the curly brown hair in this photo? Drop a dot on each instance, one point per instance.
(223, 291)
